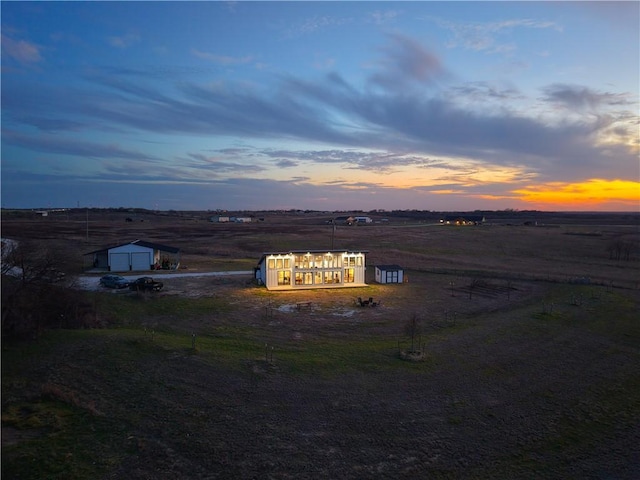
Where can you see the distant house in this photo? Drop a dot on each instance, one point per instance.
(352, 220)
(389, 274)
(463, 220)
(305, 269)
(220, 219)
(138, 255)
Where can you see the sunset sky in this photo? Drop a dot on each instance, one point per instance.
(445, 106)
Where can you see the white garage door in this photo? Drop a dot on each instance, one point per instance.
(119, 262)
(140, 261)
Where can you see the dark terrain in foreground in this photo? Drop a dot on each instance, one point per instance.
(525, 374)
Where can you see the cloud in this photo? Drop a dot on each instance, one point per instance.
(21, 51)
(582, 98)
(406, 62)
(220, 165)
(222, 59)
(313, 24)
(381, 17)
(484, 36)
(124, 41)
(54, 144)
(381, 129)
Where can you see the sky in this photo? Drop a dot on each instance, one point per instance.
(442, 106)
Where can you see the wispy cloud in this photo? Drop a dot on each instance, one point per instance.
(582, 98)
(221, 59)
(54, 144)
(124, 41)
(382, 17)
(22, 51)
(487, 36)
(406, 61)
(313, 24)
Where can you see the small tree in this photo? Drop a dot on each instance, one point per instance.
(413, 329)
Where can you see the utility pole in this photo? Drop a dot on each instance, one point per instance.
(333, 232)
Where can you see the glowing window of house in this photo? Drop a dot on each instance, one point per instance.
(317, 280)
(284, 277)
(278, 263)
(317, 261)
(308, 278)
(349, 275)
(332, 276)
(287, 263)
(359, 259)
(271, 264)
(299, 278)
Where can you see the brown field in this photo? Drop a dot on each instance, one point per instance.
(530, 369)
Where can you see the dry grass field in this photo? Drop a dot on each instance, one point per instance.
(530, 369)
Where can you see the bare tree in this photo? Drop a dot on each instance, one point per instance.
(34, 291)
(413, 329)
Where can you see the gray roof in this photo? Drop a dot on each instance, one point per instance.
(389, 268)
(142, 243)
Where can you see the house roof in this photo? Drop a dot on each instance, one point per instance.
(389, 268)
(289, 252)
(142, 243)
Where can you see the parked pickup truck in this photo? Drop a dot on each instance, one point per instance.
(146, 284)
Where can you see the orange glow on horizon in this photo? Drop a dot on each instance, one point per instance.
(593, 193)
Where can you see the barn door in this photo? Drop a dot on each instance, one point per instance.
(119, 262)
(140, 261)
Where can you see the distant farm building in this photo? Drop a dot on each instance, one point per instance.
(135, 256)
(220, 219)
(389, 274)
(463, 220)
(305, 269)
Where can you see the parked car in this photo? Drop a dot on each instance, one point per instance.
(114, 281)
(146, 284)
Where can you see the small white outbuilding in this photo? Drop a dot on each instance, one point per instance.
(389, 274)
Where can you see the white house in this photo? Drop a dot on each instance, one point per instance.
(136, 256)
(305, 269)
(389, 274)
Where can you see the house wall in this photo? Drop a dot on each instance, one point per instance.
(298, 271)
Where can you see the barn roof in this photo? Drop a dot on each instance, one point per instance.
(142, 243)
